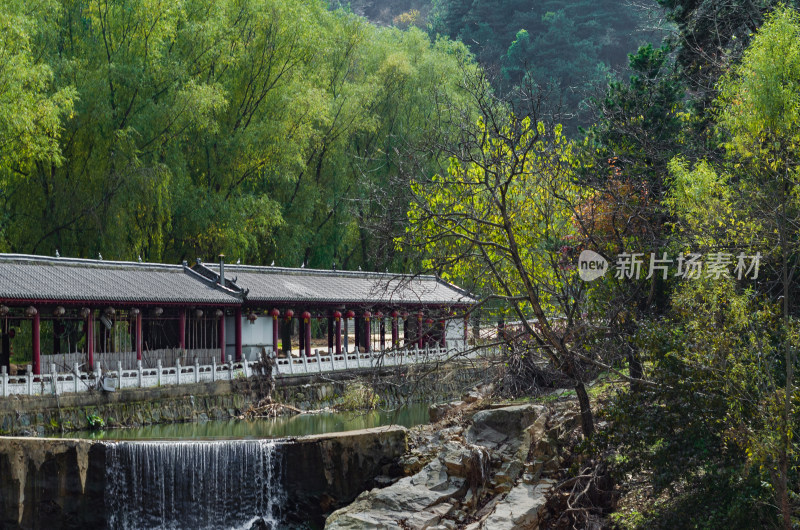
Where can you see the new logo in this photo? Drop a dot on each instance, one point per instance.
(591, 265)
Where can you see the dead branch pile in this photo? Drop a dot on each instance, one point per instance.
(582, 500)
(267, 409)
(527, 374)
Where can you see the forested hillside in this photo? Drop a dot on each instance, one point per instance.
(169, 130)
(569, 49)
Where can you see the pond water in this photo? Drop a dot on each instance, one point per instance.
(261, 428)
(217, 474)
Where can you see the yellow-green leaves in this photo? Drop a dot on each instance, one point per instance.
(759, 102)
(505, 214)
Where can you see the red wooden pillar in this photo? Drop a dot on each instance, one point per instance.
(182, 330)
(350, 314)
(89, 338)
(307, 332)
(395, 334)
(275, 314)
(367, 332)
(287, 347)
(359, 342)
(139, 336)
(330, 332)
(444, 333)
(419, 330)
(301, 335)
(221, 315)
(428, 331)
(238, 327)
(37, 350)
(382, 330)
(406, 329)
(337, 316)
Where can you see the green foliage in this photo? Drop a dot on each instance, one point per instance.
(717, 427)
(95, 422)
(260, 129)
(713, 361)
(30, 109)
(759, 103)
(515, 197)
(359, 396)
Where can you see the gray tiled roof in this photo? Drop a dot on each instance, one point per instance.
(66, 279)
(278, 284)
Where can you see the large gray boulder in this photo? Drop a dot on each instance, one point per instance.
(521, 509)
(494, 428)
(417, 502)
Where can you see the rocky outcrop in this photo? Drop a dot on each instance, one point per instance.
(494, 474)
(325, 472)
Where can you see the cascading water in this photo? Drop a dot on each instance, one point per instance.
(197, 485)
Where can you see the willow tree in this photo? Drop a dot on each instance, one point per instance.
(31, 109)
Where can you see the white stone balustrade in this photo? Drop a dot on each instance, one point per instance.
(53, 382)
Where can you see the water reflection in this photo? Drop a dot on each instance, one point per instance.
(281, 427)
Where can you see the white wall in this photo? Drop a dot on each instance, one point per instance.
(254, 336)
(455, 333)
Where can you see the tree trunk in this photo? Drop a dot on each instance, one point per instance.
(783, 458)
(5, 350)
(587, 421)
(635, 368)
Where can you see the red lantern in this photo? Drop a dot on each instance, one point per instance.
(351, 314)
(252, 318)
(289, 314)
(337, 315)
(306, 316)
(429, 321)
(367, 315)
(404, 314)
(379, 315)
(395, 314)
(275, 314)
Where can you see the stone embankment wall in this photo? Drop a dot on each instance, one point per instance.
(40, 415)
(61, 483)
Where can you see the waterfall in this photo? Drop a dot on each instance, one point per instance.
(206, 484)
